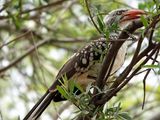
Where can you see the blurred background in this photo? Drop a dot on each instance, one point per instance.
(36, 39)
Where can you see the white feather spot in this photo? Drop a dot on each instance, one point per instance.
(75, 65)
(82, 69)
(91, 49)
(96, 43)
(86, 46)
(84, 61)
(96, 53)
(99, 46)
(90, 58)
(77, 54)
(103, 44)
(91, 54)
(78, 68)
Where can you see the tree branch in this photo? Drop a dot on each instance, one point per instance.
(89, 12)
(33, 48)
(123, 83)
(36, 9)
(112, 52)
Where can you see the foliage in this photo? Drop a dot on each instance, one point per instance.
(36, 39)
(82, 102)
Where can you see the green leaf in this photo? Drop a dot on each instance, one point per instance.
(107, 35)
(71, 85)
(151, 66)
(159, 69)
(15, 19)
(100, 23)
(82, 2)
(144, 21)
(79, 87)
(124, 116)
(118, 108)
(141, 6)
(65, 81)
(63, 92)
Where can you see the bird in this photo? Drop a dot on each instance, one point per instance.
(83, 67)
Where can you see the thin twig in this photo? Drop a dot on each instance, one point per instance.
(144, 81)
(141, 71)
(136, 58)
(58, 2)
(120, 80)
(113, 93)
(154, 60)
(5, 5)
(37, 8)
(31, 49)
(89, 12)
(112, 52)
(15, 39)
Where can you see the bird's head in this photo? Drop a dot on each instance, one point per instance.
(123, 17)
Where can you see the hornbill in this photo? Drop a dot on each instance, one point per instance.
(83, 67)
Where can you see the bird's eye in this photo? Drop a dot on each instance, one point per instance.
(120, 12)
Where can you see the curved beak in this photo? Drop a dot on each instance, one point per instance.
(132, 14)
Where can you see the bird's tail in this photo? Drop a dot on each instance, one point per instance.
(40, 106)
